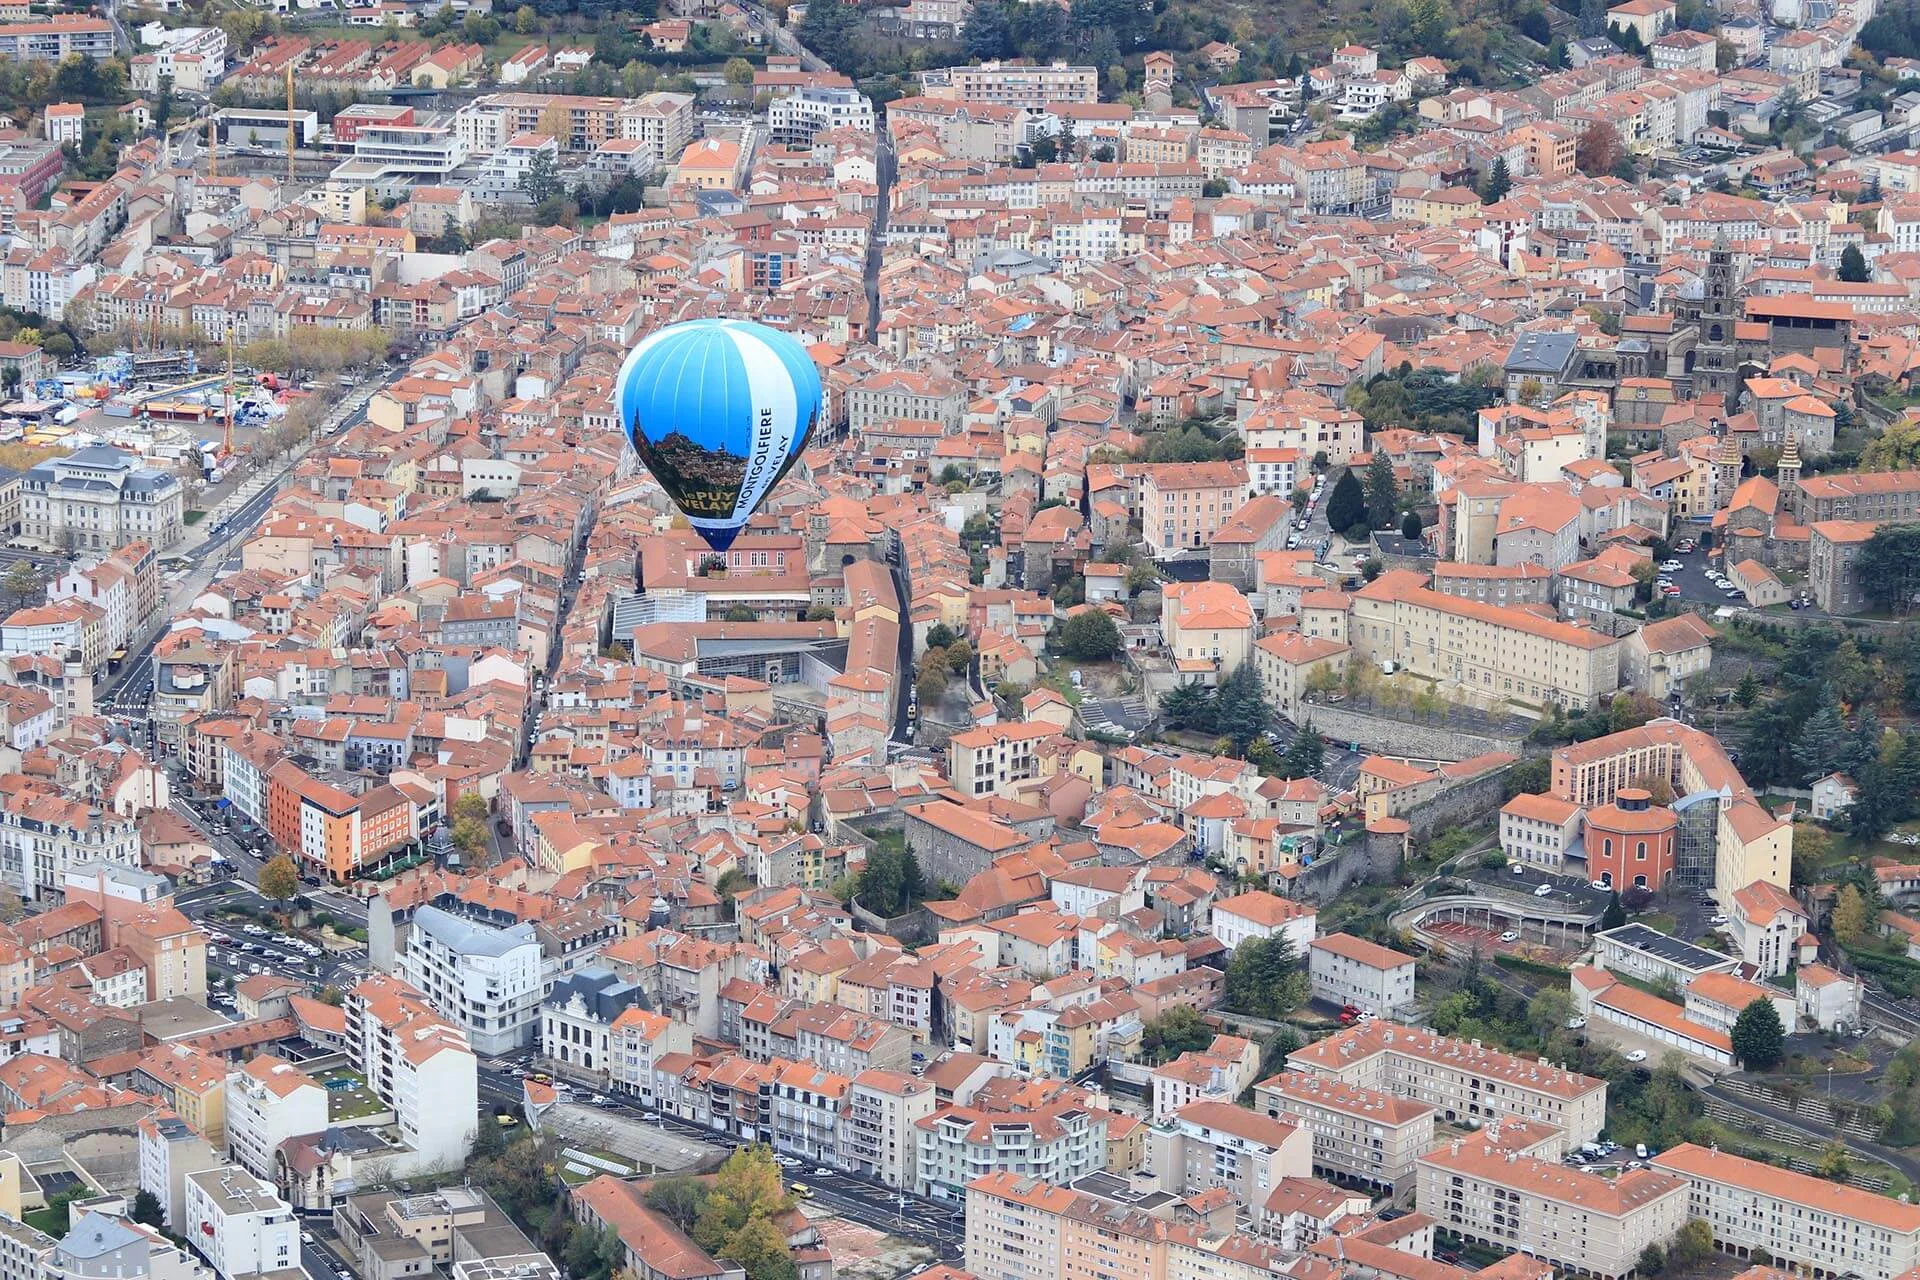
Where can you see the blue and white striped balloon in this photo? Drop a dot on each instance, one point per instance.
(718, 410)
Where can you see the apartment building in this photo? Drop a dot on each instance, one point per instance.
(1833, 553)
(57, 38)
(245, 1230)
(1359, 1134)
(1495, 651)
(1056, 1142)
(1345, 970)
(794, 117)
(640, 1038)
(1219, 1144)
(1013, 84)
(1459, 1079)
(44, 835)
(483, 978)
(1013, 1226)
(662, 123)
(419, 1065)
(268, 1101)
(1803, 1222)
(879, 1127)
(169, 1150)
(1184, 504)
(1259, 914)
(1577, 1220)
(988, 760)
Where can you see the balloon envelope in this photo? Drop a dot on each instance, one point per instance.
(718, 411)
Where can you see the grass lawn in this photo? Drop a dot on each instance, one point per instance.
(193, 517)
(51, 1221)
(1658, 921)
(348, 1097)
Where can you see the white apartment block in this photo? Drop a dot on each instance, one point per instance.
(1539, 829)
(639, 1039)
(420, 1065)
(1258, 914)
(483, 979)
(1013, 84)
(268, 1101)
(795, 117)
(1460, 1080)
(242, 1227)
(1805, 1223)
(661, 122)
(1577, 1220)
(1359, 1134)
(1055, 1144)
(1345, 970)
(169, 1151)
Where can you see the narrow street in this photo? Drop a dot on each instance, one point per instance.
(883, 167)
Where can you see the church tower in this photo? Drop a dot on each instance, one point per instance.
(1716, 356)
(1788, 477)
(1726, 470)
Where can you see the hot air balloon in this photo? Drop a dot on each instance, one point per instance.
(718, 410)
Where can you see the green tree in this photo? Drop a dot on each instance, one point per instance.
(738, 71)
(1747, 691)
(760, 1247)
(746, 1187)
(1851, 917)
(680, 1199)
(1833, 1164)
(1264, 978)
(22, 584)
(1498, 182)
(1240, 710)
(1410, 526)
(891, 882)
(1383, 491)
(1822, 742)
(1759, 1039)
(1691, 1245)
(541, 181)
(1615, 914)
(1888, 566)
(1090, 636)
(526, 20)
(940, 635)
(1853, 265)
(147, 1209)
(1549, 1012)
(470, 822)
(1305, 754)
(959, 655)
(279, 880)
(1652, 1261)
(1347, 506)
(1179, 1030)
(739, 613)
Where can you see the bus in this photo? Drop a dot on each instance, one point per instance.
(113, 662)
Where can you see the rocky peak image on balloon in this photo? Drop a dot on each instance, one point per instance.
(719, 411)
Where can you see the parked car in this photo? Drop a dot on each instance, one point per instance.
(1509, 936)
(1637, 1055)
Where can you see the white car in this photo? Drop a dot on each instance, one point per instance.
(1543, 891)
(1638, 1055)
(1509, 936)
(1716, 920)
(1671, 566)
(1575, 1023)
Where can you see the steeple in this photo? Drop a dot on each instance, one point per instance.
(1788, 475)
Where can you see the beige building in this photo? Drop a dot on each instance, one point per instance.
(1659, 658)
(1207, 624)
(1494, 651)
(1218, 1144)
(1346, 970)
(1290, 664)
(1833, 547)
(1013, 84)
(1803, 1222)
(987, 760)
(1580, 1221)
(1183, 504)
(1358, 1133)
(878, 1131)
(1460, 1080)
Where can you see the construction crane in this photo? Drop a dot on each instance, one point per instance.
(289, 191)
(227, 451)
